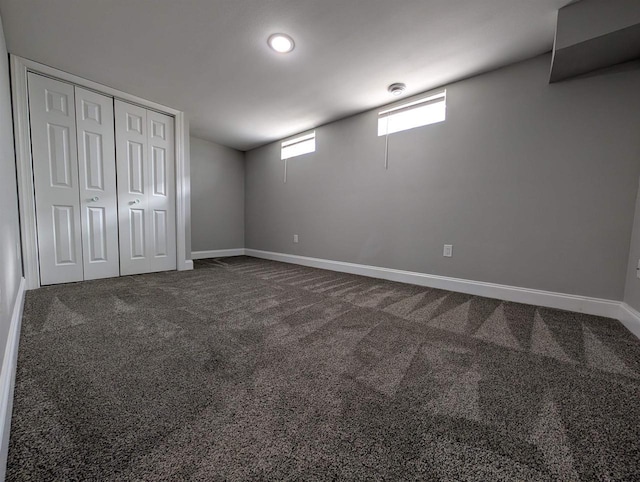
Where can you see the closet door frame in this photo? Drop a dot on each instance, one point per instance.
(20, 101)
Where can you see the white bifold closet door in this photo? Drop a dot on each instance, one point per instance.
(52, 114)
(98, 194)
(146, 189)
(72, 139)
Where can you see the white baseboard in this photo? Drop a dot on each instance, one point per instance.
(630, 318)
(580, 304)
(8, 377)
(217, 253)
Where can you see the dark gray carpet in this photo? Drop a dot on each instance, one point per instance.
(246, 369)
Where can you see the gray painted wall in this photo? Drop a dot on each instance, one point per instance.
(534, 185)
(217, 196)
(594, 34)
(10, 256)
(589, 19)
(632, 289)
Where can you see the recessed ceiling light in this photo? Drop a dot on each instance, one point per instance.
(281, 43)
(397, 89)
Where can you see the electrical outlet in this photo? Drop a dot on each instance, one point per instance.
(447, 252)
(295, 238)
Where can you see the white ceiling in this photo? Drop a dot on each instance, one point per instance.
(210, 57)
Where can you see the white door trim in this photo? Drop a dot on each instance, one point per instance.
(19, 68)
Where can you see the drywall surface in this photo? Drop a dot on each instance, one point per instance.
(211, 58)
(589, 19)
(217, 196)
(595, 34)
(10, 254)
(533, 184)
(632, 289)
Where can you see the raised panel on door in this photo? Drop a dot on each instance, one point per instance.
(133, 172)
(138, 238)
(98, 195)
(162, 191)
(55, 172)
(64, 234)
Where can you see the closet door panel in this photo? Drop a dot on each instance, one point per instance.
(55, 171)
(133, 174)
(161, 192)
(97, 171)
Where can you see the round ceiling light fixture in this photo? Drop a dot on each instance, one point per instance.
(281, 43)
(397, 89)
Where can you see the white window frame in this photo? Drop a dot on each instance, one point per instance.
(298, 146)
(427, 110)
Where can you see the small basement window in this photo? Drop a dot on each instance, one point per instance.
(298, 146)
(421, 112)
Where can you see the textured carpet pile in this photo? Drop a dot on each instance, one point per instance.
(246, 369)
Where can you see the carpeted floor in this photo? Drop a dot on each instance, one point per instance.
(246, 369)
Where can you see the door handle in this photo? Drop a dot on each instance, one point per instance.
(135, 201)
(94, 199)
